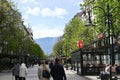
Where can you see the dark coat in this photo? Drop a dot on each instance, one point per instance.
(50, 65)
(57, 72)
(16, 69)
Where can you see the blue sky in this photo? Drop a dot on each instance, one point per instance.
(47, 18)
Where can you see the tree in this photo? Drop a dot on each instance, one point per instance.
(12, 37)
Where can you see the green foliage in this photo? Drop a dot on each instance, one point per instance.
(114, 9)
(36, 50)
(12, 36)
(57, 48)
(5, 64)
(75, 29)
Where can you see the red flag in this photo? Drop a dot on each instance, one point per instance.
(80, 44)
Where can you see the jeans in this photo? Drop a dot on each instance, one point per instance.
(17, 78)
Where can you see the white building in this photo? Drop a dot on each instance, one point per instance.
(28, 32)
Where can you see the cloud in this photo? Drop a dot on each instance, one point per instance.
(29, 1)
(30, 12)
(42, 32)
(24, 1)
(46, 12)
(35, 11)
(34, 1)
(58, 12)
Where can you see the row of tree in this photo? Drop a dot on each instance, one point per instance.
(13, 39)
(76, 28)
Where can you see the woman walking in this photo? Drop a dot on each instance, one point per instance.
(23, 72)
(43, 67)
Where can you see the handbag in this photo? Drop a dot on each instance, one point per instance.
(45, 74)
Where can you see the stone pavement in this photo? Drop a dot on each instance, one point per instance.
(32, 75)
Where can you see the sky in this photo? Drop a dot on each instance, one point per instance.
(47, 18)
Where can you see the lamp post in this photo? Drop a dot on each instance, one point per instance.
(60, 53)
(110, 30)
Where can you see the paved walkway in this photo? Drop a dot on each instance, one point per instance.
(32, 75)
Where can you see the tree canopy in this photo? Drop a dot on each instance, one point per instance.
(76, 30)
(12, 33)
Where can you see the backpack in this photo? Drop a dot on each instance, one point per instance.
(45, 74)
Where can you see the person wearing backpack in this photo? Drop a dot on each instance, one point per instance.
(43, 67)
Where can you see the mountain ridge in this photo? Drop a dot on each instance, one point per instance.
(47, 43)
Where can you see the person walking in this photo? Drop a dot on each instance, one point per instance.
(107, 69)
(114, 70)
(23, 72)
(105, 74)
(43, 67)
(51, 64)
(15, 70)
(57, 71)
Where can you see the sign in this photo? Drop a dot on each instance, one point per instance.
(80, 44)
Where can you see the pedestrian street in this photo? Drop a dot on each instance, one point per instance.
(32, 75)
(71, 75)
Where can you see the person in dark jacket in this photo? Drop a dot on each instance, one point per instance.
(50, 64)
(16, 70)
(57, 71)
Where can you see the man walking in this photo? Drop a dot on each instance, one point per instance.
(57, 71)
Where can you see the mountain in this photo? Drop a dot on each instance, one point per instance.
(47, 43)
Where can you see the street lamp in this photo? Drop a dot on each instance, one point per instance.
(60, 53)
(110, 29)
